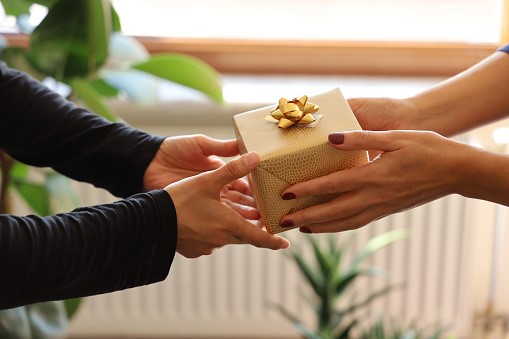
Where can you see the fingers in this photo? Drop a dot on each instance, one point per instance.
(338, 182)
(349, 179)
(238, 198)
(342, 207)
(223, 148)
(345, 224)
(365, 140)
(242, 186)
(246, 212)
(233, 170)
(253, 235)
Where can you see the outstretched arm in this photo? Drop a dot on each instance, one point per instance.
(41, 128)
(472, 98)
(88, 251)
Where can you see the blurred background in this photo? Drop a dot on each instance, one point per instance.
(434, 271)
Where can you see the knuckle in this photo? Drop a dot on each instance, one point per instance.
(360, 138)
(234, 168)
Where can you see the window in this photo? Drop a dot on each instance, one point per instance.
(472, 21)
(403, 37)
(396, 37)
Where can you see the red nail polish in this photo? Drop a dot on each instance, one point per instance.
(337, 138)
(287, 223)
(289, 196)
(305, 230)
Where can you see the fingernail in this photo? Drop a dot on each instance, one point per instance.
(289, 196)
(305, 230)
(251, 159)
(337, 138)
(287, 223)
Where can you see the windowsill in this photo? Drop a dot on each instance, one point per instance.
(246, 92)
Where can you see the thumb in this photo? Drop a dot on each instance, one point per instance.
(222, 148)
(234, 169)
(365, 140)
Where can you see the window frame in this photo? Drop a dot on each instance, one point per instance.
(325, 57)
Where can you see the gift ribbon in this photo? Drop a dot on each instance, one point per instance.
(291, 112)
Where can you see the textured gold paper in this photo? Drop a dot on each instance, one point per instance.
(295, 154)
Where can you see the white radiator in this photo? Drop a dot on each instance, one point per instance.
(229, 293)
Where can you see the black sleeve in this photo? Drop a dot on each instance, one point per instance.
(89, 251)
(504, 48)
(41, 128)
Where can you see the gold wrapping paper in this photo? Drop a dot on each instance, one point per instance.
(295, 154)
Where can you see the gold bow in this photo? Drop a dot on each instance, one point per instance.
(296, 111)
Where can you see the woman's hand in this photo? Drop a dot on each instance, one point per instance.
(413, 168)
(382, 114)
(205, 222)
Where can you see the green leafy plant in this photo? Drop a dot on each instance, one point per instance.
(79, 51)
(329, 282)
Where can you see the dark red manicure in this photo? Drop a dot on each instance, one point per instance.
(289, 196)
(305, 230)
(287, 223)
(336, 138)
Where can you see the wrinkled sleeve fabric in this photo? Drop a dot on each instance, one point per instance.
(504, 49)
(90, 250)
(41, 128)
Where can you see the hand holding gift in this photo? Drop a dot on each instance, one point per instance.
(297, 153)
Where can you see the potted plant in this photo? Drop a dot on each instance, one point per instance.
(329, 280)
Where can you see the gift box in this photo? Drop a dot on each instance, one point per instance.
(292, 140)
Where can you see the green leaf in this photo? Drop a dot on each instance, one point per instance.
(16, 7)
(99, 26)
(72, 40)
(35, 195)
(299, 326)
(368, 300)
(313, 279)
(349, 277)
(321, 259)
(19, 171)
(344, 333)
(115, 20)
(104, 88)
(71, 306)
(18, 58)
(185, 70)
(377, 243)
(346, 281)
(46, 3)
(86, 93)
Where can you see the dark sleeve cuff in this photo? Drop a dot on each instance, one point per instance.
(504, 49)
(168, 238)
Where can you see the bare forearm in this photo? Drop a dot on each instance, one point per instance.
(483, 175)
(472, 98)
